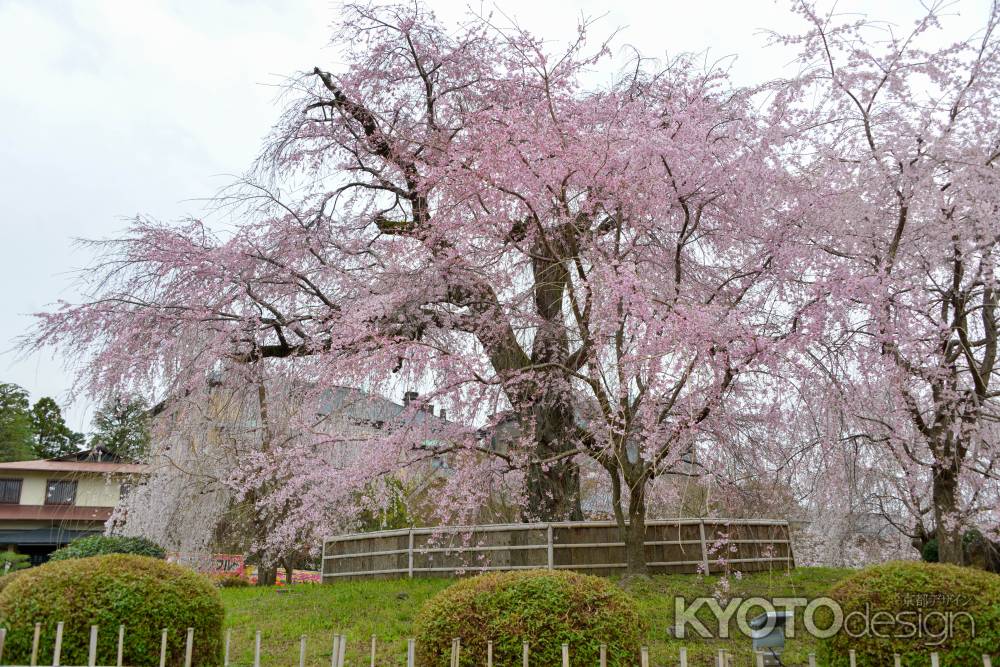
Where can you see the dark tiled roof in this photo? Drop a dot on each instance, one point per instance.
(362, 407)
(94, 455)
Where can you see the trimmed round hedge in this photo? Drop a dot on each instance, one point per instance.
(545, 608)
(941, 602)
(8, 578)
(99, 545)
(143, 594)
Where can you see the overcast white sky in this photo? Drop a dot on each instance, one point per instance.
(110, 108)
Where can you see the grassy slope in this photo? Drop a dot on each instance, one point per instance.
(387, 609)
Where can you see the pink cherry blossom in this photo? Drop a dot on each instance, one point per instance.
(663, 276)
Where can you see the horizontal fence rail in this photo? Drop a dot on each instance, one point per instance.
(595, 547)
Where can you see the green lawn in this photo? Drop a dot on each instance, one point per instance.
(387, 609)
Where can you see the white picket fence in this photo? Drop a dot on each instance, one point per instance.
(92, 649)
(338, 653)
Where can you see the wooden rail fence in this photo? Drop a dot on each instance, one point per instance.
(594, 547)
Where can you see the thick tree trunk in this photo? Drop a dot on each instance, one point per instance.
(553, 493)
(544, 402)
(631, 528)
(635, 533)
(949, 530)
(267, 575)
(553, 488)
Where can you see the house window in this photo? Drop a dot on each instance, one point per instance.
(10, 491)
(58, 492)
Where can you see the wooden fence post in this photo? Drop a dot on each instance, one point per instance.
(565, 655)
(524, 654)
(57, 651)
(411, 652)
(489, 654)
(409, 556)
(704, 547)
(163, 648)
(256, 649)
(604, 655)
(322, 562)
(189, 647)
(335, 651)
(341, 650)
(373, 652)
(550, 547)
(302, 651)
(92, 648)
(34, 644)
(229, 637)
(644, 656)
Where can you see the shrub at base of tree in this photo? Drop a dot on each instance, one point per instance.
(99, 545)
(977, 551)
(143, 594)
(542, 607)
(231, 581)
(917, 608)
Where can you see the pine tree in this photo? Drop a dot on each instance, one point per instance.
(16, 437)
(121, 427)
(52, 437)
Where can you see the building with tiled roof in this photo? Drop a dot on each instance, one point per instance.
(46, 503)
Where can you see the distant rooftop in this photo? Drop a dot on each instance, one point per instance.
(74, 466)
(97, 460)
(96, 454)
(361, 406)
